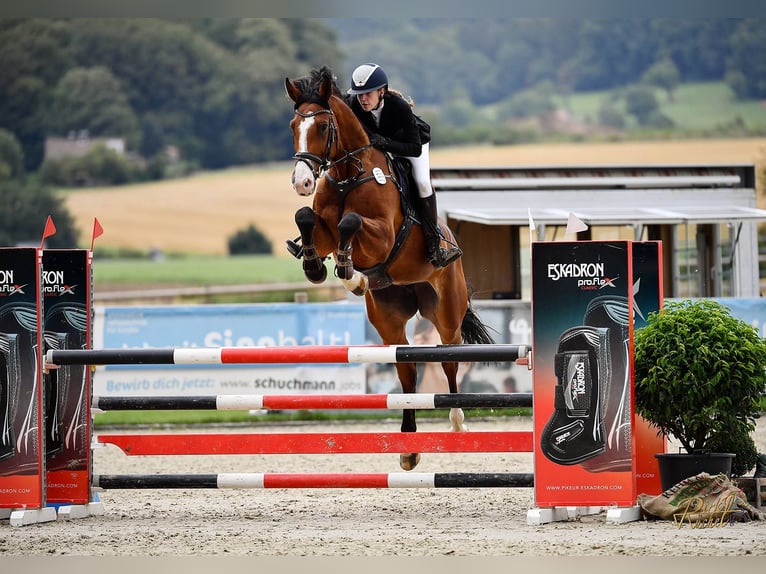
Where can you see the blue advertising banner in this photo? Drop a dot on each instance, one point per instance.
(752, 311)
(226, 326)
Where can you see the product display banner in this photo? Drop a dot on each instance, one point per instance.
(647, 298)
(582, 333)
(21, 442)
(67, 389)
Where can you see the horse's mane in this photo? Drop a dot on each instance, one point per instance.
(310, 85)
(310, 88)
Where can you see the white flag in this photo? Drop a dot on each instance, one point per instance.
(575, 224)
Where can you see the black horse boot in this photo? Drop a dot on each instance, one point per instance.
(437, 255)
(575, 431)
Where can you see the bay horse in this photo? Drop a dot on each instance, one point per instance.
(359, 218)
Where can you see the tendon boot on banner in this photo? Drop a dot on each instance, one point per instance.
(19, 322)
(575, 431)
(613, 314)
(9, 376)
(55, 382)
(66, 324)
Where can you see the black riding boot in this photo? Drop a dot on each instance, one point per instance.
(437, 255)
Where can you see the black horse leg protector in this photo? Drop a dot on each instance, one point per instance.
(8, 382)
(575, 431)
(613, 313)
(313, 266)
(348, 226)
(54, 395)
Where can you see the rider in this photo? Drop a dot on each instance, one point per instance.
(394, 128)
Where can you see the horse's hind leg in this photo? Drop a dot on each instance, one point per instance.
(389, 310)
(456, 415)
(313, 265)
(446, 314)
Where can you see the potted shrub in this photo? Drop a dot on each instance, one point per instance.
(699, 376)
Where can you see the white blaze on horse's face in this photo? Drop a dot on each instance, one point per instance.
(303, 179)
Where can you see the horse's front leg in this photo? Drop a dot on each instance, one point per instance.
(313, 265)
(348, 227)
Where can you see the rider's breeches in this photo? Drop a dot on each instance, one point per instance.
(421, 172)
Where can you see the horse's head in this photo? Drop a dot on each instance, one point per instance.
(317, 141)
(313, 127)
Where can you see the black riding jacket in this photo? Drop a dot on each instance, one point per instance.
(403, 132)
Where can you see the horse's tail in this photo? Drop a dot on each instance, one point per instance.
(473, 330)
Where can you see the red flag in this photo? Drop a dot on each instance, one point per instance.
(50, 229)
(97, 232)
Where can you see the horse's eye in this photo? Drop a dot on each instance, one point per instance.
(323, 128)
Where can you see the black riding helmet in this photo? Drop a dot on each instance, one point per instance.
(367, 78)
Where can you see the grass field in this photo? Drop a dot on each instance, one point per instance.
(198, 270)
(695, 106)
(197, 214)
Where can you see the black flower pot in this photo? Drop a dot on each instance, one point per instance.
(675, 467)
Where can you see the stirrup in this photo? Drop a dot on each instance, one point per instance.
(295, 249)
(443, 257)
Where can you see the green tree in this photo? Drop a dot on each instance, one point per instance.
(664, 74)
(11, 156)
(748, 57)
(25, 208)
(100, 166)
(33, 56)
(92, 99)
(738, 84)
(641, 102)
(609, 115)
(530, 103)
(249, 240)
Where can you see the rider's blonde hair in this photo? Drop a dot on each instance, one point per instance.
(407, 99)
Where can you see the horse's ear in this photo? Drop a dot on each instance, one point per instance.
(291, 90)
(325, 89)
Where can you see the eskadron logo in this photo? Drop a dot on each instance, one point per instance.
(578, 381)
(7, 284)
(54, 283)
(589, 276)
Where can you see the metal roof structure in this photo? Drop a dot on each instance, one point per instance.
(615, 195)
(666, 196)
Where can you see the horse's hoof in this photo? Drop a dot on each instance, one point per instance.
(344, 272)
(409, 461)
(316, 275)
(457, 420)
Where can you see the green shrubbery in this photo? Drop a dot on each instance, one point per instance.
(699, 376)
(104, 167)
(249, 241)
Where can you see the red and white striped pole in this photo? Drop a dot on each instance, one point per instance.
(294, 354)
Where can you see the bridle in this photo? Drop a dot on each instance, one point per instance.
(321, 165)
(318, 165)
